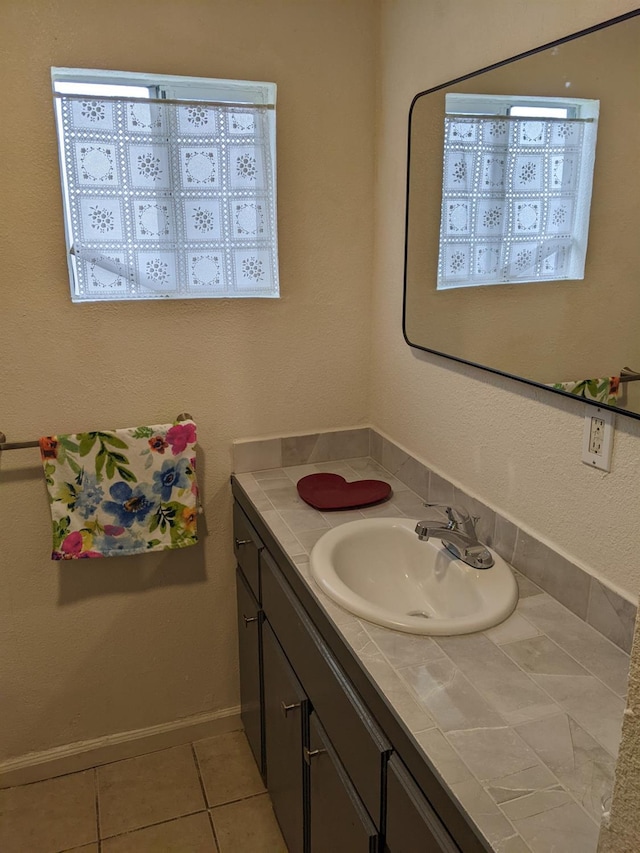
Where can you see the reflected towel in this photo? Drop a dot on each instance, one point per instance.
(605, 390)
(124, 491)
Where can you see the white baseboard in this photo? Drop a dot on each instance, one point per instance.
(35, 766)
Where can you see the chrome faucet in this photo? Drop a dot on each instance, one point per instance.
(458, 536)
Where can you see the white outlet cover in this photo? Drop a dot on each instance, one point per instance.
(601, 460)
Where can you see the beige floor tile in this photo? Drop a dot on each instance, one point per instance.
(86, 848)
(248, 826)
(227, 768)
(57, 814)
(148, 789)
(191, 834)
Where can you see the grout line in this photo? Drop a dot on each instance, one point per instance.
(238, 800)
(508, 725)
(486, 784)
(97, 793)
(202, 788)
(155, 823)
(213, 830)
(563, 650)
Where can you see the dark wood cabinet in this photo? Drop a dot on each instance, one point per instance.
(286, 714)
(250, 656)
(339, 821)
(412, 826)
(340, 769)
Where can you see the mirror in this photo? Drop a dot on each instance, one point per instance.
(541, 331)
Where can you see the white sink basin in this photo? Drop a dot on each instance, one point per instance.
(378, 569)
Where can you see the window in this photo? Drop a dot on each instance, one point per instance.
(168, 185)
(516, 189)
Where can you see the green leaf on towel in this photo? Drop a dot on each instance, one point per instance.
(163, 517)
(112, 439)
(87, 440)
(60, 530)
(66, 442)
(101, 458)
(49, 471)
(71, 462)
(142, 432)
(110, 467)
(67, 493)
(127, 475)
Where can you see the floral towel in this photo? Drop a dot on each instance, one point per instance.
(606, 390)
(122, 491)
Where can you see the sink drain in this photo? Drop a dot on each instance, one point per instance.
(419, 613)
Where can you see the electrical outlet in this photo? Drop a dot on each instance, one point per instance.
(596, 436)
(597, 442)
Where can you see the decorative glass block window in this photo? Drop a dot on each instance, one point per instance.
(169, 185)
(516, 189)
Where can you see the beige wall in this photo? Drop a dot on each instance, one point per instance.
(515, 447)
(91, 650)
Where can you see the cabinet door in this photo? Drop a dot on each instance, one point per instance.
(412, 824)
(247, 546)
(339, 821)
(250, 654)
(286, 715)
(362, 747)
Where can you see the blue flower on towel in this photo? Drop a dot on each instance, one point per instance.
(129, 504)
(124, 543)
(172, 476)
(89, 497)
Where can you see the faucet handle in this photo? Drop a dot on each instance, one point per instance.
(457, 515)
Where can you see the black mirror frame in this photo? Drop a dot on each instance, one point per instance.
(612, 21)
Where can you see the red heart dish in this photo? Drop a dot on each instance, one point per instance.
(331, 491)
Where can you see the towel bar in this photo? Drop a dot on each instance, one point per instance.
(19, 445)
(628, 375)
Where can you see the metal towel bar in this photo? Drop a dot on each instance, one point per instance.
(19, 445)
(628, 375)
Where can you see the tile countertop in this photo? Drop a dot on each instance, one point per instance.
(522, 720)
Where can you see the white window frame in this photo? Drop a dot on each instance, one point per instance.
(104, 84)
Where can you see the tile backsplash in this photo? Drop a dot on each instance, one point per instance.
(603, 608)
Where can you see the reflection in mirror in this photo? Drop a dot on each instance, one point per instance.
(516, 189)
(516, 211)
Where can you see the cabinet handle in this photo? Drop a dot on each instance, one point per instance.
(241, 542)
(311, 753)
(286, 708)
(249, 619)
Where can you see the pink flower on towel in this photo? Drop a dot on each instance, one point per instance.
(180, 435)
(71, 548)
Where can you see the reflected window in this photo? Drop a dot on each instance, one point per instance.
(516, 191)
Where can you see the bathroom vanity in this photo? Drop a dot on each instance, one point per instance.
(341, 770)
(372, 740)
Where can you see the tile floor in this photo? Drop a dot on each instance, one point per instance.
(205, 797)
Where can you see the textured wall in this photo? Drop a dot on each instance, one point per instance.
(622, 832)
(87, 649)
(516, 447)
